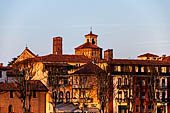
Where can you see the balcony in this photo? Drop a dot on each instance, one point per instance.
(164, 100)
(121, 100)
(162, 87)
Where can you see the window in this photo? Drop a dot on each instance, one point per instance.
(68, 96)
(148, 69)
(157, 95)
(34, 94)
(163, 69)
(136, 68)
(10, 108)
(0, 74)
(125, 94)
(115, 68)
(137, 108)
(60, 81)
(143, 82)
(130, 68)
(119, 81)
(93, 42)
(163, 96)
(142, 108)
(149, 108)
(143, 95)
(125, 81)
(163, 82)
(61, 96)
(84, 81)
(119, 68)
(156, 69)
(157, 82)
(149, 81)
(11, 94)
(149, 94)
(137, 94)
(147, 58)
(94, 53)
(137, 81)
(65, 81)
(142, 69)
(76, 80)
(120, 95)
(54, 96)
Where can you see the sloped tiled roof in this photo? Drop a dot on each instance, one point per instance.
(137, 62)
(59, 58)
(148, 55)
(89, 68)
(87, 45)
(91, 34)
(29, 51)
(166, 59)
(36, 85)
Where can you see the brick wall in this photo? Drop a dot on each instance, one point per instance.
(38, 104)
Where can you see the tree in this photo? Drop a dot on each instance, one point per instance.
(57, 73)
(24, 72)
(106, 88)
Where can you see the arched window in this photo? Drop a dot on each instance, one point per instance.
(54, 96)
(93, 41)
(68, 96)
(61, 96)
(10, 108)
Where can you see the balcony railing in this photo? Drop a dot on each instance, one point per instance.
(121, 100)
(164, 100)
(162, 87)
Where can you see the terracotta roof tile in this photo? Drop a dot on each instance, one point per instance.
(89, 68)
(59, 58)
(148, 55)
(91, 34)
(30, 51)
(166, 59)
(137, 62)
(36, 85)
(87, 45)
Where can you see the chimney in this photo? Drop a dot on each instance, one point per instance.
(1, 64)
(57, 46)
(108, 54)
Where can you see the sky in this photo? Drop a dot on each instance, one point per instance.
(129, 27)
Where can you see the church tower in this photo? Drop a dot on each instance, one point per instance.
(57, 46)
(90, 48)
(92, 38)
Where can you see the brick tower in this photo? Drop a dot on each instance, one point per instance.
(57, 46)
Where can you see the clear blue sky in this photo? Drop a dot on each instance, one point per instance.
(130, 27)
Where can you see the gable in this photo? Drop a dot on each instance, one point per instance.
(25, 55)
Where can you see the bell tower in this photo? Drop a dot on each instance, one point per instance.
(57, 45)
(92, 38)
